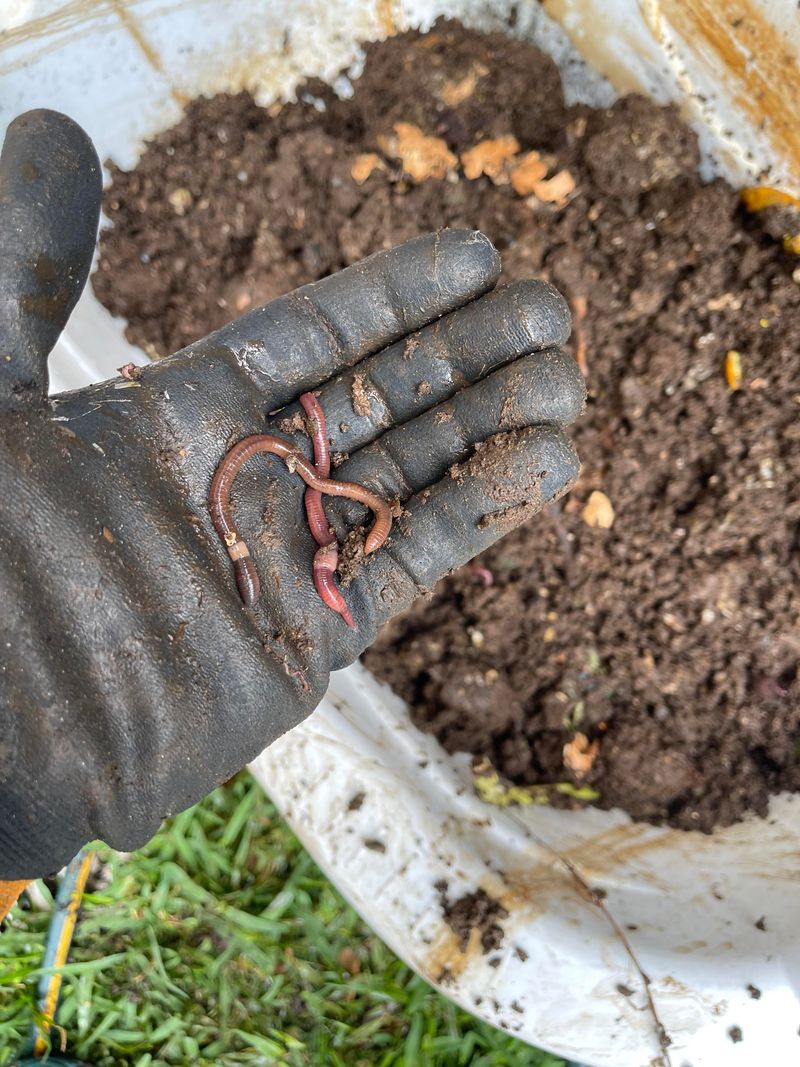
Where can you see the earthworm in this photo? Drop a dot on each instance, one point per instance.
(483, 573)
(326, 557)
(323, 569)
(317, 522)
(296, 462)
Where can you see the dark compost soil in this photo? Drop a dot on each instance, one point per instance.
(655, 660)
(473, 911)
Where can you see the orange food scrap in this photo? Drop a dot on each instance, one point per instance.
(9, 894)
(579, 308)
(180, 200)
(555, 190)
(757, 197)
(579, 755)
(492, 158)
(528, 172)
(599, 511)
(733, 369)
(364, 165)
(422, 156)
(454, 93)
(428, 42)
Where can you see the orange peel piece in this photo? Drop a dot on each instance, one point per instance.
(579, 755)
(757, 197)
(528, 172)
(492, 158)
(422, 156)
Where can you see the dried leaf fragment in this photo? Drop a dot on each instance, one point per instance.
(349, 960)
(733, 369)
(492, 158)
(579, 754)
(598, 511)
(364, 165)
(530, 170)
(422, 156)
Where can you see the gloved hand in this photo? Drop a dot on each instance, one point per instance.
(134, 679)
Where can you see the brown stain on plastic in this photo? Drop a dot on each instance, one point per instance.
(70, 16)
(74, 20)
(387, 20)
(133, 28)
(528, 889)
(612, 848)
(763, 71)
(601, 51)
(446, 960)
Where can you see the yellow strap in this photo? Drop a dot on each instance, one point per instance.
(9, 895)
(48, 1002)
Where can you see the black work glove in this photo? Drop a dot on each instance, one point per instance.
(133, 678)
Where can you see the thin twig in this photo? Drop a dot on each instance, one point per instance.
(593, 897)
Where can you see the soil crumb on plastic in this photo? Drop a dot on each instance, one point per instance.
(669, 637)
(473, 911)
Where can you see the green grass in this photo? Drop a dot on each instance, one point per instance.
(222, 943)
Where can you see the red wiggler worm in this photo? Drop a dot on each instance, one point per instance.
(315, 513)
(483, 573)
(296, 462)
(326, 557)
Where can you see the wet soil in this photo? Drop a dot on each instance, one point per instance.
(641, 638)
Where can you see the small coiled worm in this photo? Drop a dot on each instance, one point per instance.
(220, 508)
(326, 558)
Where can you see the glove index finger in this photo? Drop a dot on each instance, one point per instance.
(300, 340)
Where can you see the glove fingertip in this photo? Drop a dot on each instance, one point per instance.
(544, 314)
(466, 260)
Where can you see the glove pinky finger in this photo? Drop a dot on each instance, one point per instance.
(508, 479)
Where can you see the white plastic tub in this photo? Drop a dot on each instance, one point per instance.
(688, 906)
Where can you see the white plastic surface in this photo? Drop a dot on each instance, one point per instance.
(687, 904)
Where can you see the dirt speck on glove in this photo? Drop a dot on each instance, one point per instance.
(360, 396)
